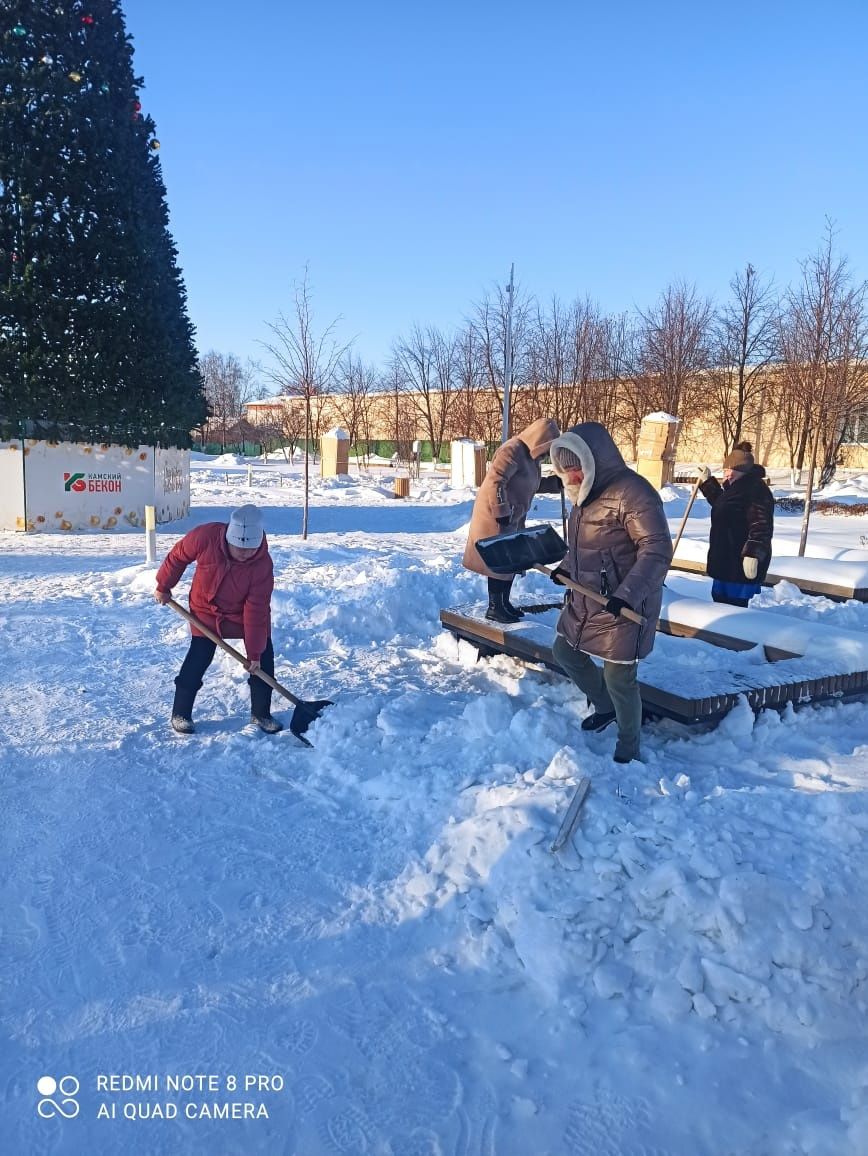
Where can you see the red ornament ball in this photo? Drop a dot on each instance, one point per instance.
(87, 20)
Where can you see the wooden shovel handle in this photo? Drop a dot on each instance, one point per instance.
(696, 486)
(236, 654)
(592, 594)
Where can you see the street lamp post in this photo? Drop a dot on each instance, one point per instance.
(507, 359)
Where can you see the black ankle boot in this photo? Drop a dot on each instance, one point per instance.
(499, 611)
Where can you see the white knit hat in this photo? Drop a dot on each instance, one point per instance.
(245, 528)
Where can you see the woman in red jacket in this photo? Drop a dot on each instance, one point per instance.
(231, 594)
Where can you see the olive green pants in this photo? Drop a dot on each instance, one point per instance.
(613, 687)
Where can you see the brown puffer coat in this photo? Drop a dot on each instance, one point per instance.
(507, 490)
(619, 544)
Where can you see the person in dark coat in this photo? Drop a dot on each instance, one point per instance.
(502, 503)
(618, 543)
(742, 524)
(231, 595)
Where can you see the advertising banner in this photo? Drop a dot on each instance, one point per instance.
(71, 486)
(12, 485)
(86, 487)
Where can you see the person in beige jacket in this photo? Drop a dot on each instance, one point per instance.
(502, 503)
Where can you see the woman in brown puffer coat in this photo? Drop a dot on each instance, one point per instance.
(502, 503)
(618, 543)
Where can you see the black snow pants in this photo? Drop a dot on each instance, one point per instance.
(199, 658)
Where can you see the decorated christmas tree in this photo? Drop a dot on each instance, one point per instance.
(95, 340)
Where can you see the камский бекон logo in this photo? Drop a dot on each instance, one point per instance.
(93, 483)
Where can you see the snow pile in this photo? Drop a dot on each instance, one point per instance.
(855, 488)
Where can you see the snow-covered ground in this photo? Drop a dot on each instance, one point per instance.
(375, 931)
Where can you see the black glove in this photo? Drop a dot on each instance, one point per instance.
(616, 605)
(557, 575)
(503, 522)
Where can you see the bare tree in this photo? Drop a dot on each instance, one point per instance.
(823, 379)
(229, 387)
(674, 350)
(745, 332)
(551, 384)
(490, 325)
(355, 383)
(402, 413)
(425, 364)
(305, 364)
(292, 421)
(617, 408)
(470, 400)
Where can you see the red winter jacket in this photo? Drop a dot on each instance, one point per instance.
(232, 598)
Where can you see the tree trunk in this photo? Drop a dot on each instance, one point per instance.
(806, 516)
(306, 469)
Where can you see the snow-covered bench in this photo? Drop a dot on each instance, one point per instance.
(838, 574)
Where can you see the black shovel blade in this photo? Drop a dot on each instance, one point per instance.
(523, 549)
(306, 713)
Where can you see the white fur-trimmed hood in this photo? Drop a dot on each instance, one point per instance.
(580, 448)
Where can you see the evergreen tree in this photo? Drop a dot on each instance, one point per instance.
(95, 340)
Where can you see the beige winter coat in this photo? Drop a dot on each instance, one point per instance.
(507, 491)
(619, 544)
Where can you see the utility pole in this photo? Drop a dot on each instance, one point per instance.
(507, 360)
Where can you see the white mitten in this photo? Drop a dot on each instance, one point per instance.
(750, 567)
(704, 473)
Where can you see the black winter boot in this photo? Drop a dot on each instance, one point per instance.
(260, 694)
(507, 601)
(182, 710)
(498, 607)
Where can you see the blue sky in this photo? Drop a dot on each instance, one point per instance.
(409, 152)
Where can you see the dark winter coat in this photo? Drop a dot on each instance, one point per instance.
(507, 490)
(619, 544)
(742, 524)
(232, 598)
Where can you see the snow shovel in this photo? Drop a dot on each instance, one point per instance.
(686, 513)
(534, 549)
(572, 815)
(305, 712)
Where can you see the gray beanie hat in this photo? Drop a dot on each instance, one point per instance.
(564, 459)
(245, 529)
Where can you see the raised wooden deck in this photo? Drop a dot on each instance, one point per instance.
(667, 690)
